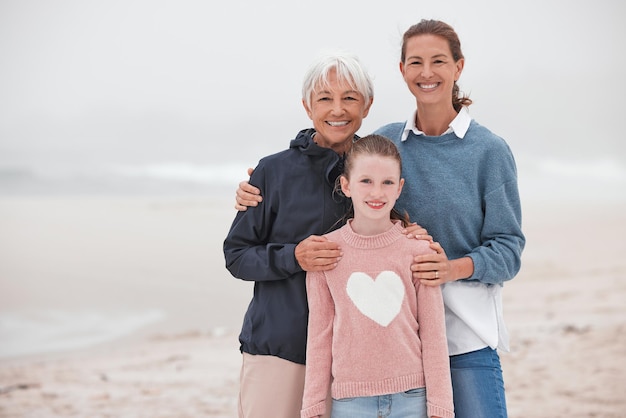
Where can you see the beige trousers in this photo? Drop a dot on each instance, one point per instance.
(270, 387)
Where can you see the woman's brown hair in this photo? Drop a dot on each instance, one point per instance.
(447, 32)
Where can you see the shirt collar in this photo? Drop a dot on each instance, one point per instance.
(459, 125)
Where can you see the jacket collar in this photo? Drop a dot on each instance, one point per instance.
(333, 161)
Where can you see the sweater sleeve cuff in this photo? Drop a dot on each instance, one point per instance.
(316, 410)
(438, 411)
(479, 266)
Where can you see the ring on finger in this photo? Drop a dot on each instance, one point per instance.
(436, 274)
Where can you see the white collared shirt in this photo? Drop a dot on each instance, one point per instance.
(459, 125)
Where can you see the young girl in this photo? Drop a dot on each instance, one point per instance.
(376, 336)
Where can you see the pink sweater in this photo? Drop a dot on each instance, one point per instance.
(372, 329)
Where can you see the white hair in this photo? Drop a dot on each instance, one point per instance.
(347, 67)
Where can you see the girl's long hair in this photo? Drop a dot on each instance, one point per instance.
(371, 145)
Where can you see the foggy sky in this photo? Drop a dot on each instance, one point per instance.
(146, 81)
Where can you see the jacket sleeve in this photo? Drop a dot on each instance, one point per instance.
(498, 258)
(319, 346)
(248, 251)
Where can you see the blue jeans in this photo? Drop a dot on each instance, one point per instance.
(477, 385)
(409, 404)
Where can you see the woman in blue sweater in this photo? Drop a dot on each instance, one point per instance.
(465, 180)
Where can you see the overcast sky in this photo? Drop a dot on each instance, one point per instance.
(145, 80)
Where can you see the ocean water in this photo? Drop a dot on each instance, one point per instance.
(560, 180)
(120, 298)
(42, 331)
(540, 178)
(173, 178)
(52, 329)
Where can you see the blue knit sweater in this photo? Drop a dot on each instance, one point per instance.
(464, 192)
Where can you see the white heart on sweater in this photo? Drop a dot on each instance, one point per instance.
(379, 299)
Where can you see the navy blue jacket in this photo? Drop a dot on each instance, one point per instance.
(298, 201)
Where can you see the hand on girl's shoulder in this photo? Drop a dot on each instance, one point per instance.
(422, 247)
(415, 231)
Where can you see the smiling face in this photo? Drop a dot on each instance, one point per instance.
(374, 186)
(337, 111)
(429, 69)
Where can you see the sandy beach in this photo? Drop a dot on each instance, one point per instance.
(159, 260)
